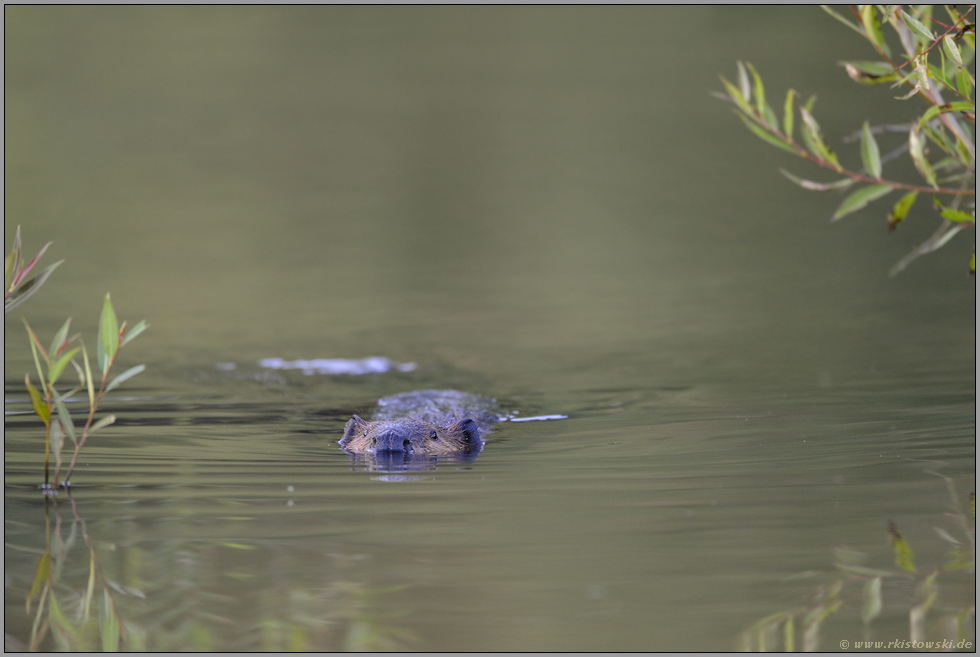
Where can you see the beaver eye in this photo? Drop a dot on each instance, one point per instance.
(433, 436)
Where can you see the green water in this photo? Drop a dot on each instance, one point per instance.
(540, 205)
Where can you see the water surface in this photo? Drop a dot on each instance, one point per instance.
(540, 205)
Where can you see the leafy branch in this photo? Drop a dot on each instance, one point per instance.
(943, 126)
(49, 404)
(16, 287)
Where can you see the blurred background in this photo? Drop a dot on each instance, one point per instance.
(540, 204)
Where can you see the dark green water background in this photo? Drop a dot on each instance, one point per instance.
(543, 205)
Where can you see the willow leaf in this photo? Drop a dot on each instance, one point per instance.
(843, 183)
(131, 372)
(917, 147)
(901, 210)
(108, 334)
(870, 154)
(815, 141)
(25, 290)
(133, 332)
(788, 115)
(59, 365)
(37, 401)
(761, 132)
(859, 199)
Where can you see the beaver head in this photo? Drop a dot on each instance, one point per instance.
(410, 438)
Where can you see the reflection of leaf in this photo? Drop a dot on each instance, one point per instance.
(109, 623)
(903, 553)
(872, 600)
(41, 573)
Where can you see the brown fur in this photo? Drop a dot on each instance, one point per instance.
(411, 436)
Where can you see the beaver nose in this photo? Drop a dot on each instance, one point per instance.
(393, 441)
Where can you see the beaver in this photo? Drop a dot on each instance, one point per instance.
(425, 423)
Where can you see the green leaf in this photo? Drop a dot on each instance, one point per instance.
(59, 365)
(954, 215)
(60, 623)
(88, 378)
(903, 553)
(109, 623)
(870, 72)
(901, 210)
(59, 339)
(814, 139)
(843, 183)
(964, 82)
(759, 90)
(41, 573)
(859, 199)
(952, 50)
(788, 640)
(788, 115)
(872, 28)
(25, 290)
(37, 401)
(843, 20)
(870, 154)
(133, 332)
(57, 439)
(104, 422)
(936, 110)
(65, 417)
(740, 101)
(131, 372)
(743, 81)
(872, 600)
(917, 27)
(764, 135)
(108, 335)
(917, 151)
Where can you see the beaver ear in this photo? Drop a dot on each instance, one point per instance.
(354, 426)
(468, 431)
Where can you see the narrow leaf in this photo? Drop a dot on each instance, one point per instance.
(91, 587)
(133, 332)
(789, 644)
(59, 366)
(872, 600)
(25, 290)
(843, 20)
(964, 83)
(737, 97)
(953, 214)
(41, 574)
(37, 401)
(59, 622)
(57, 439)
(65, 418)
(952, 50)
(759, 90)
(104, 422)
(843, 183)
(815, 141)
(903, 553)
(743, 81)
(870, 154)
(872, 28)
(88, 379)
(901, 210)
(59, 338)
(108, 334)
(917, 151)
(870, 72)
(788, 115)
(761, 132)
(859, 199)
(131, 372)
(108, 623)
(917, 27)
(936, 110)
